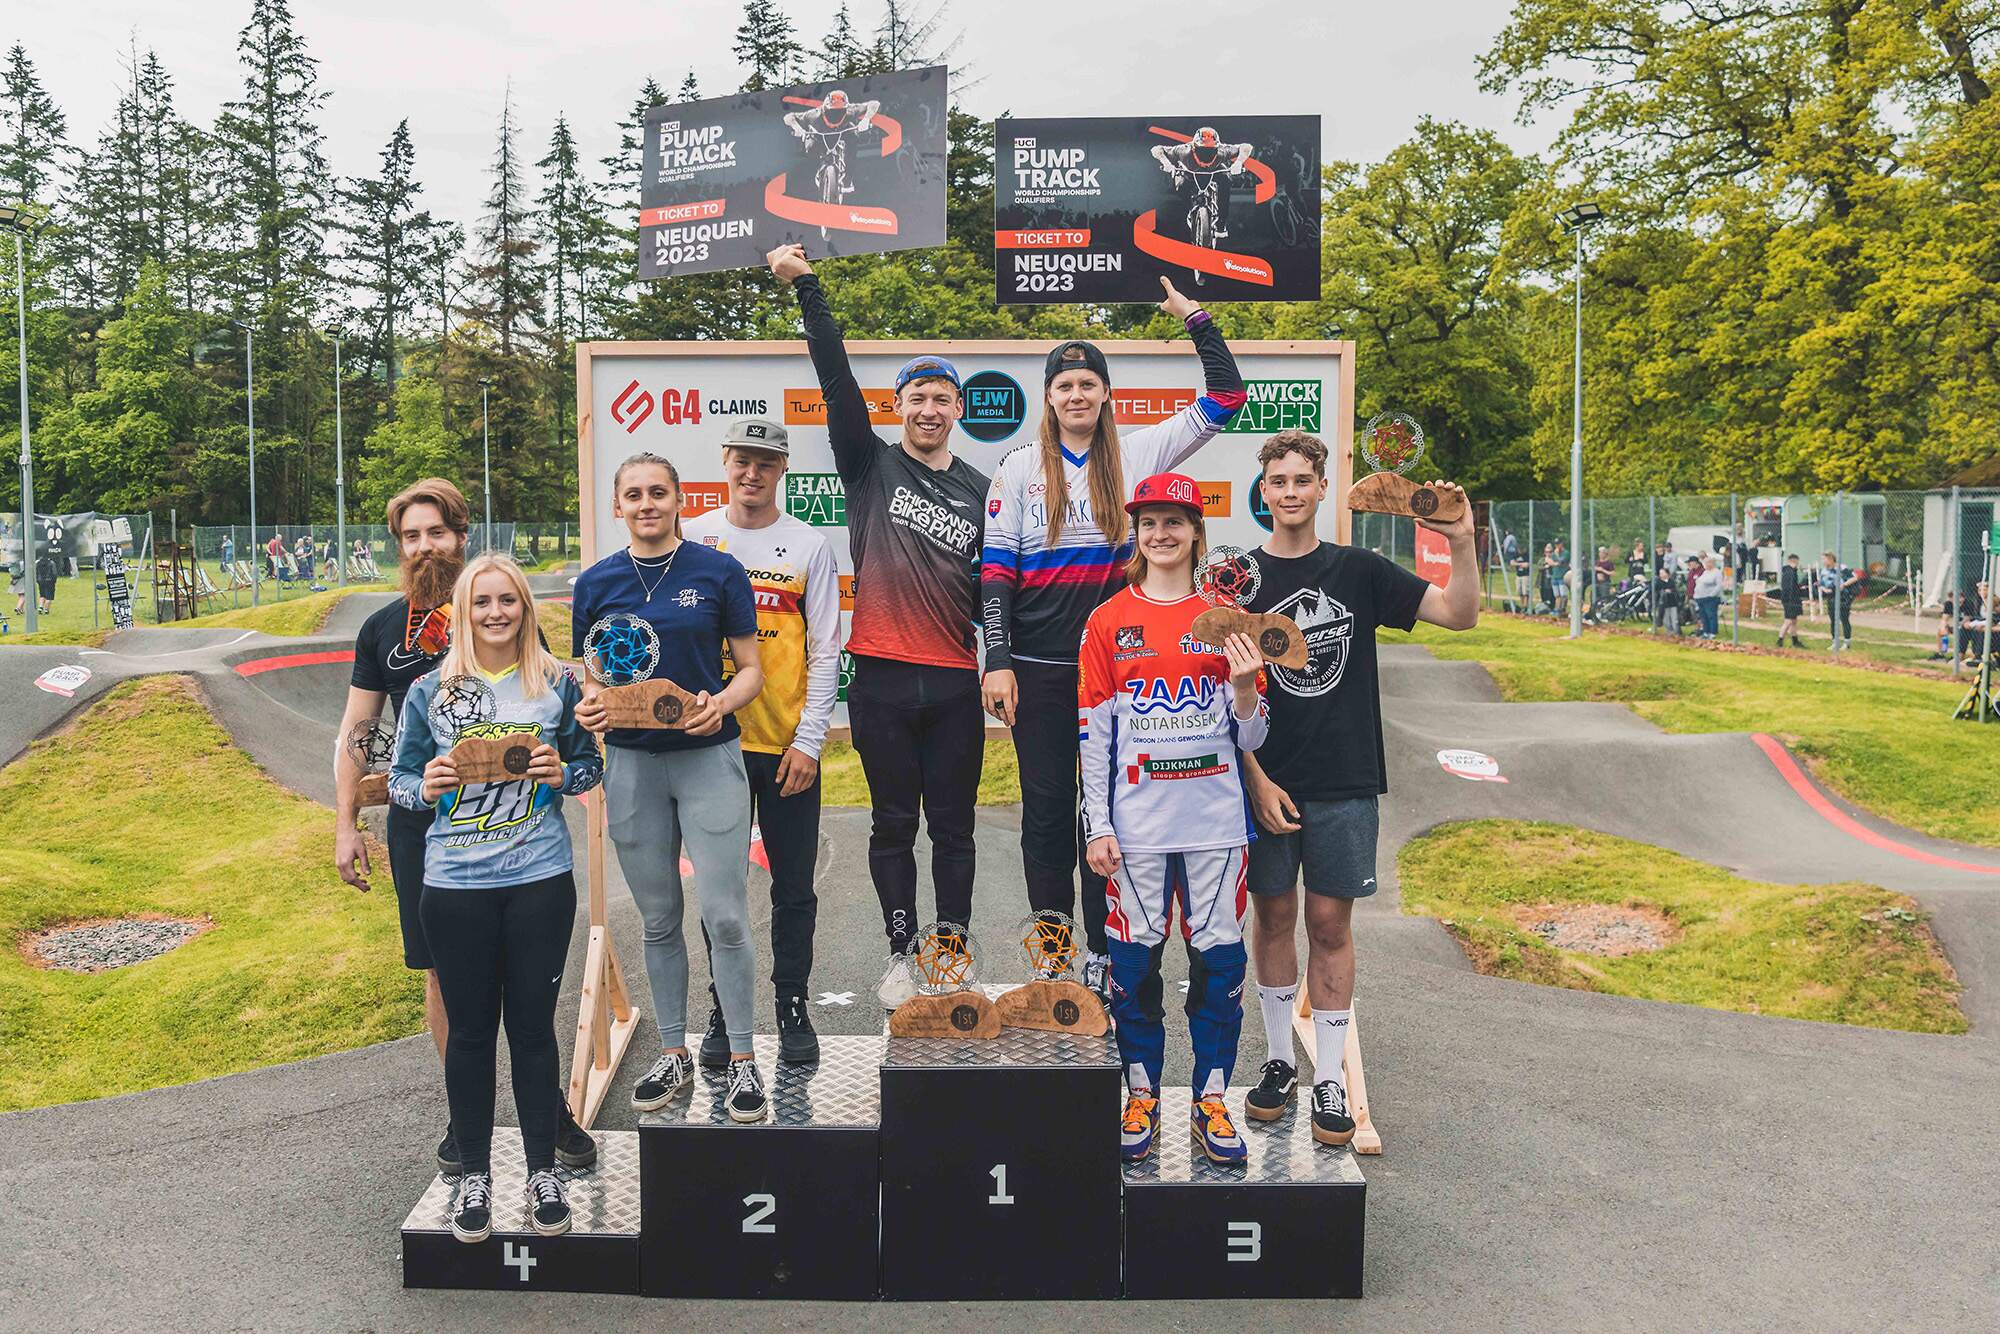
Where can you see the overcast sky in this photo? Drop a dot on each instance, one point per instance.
(1369, 70)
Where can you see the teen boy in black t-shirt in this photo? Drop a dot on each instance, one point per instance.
(1314, 784)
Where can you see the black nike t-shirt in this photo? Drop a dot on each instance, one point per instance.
(389, 656)
(1326, 720)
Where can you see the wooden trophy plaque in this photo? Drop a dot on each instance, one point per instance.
(949, 1004)
(493, 759)
(372, 790)
(1054, 1005)
(657, 703)
(1390, 493)
(1277, 637)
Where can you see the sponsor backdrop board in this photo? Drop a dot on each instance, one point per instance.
(731, 178)
(1097, 209)
(677, 399)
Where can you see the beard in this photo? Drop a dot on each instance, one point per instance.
(427, 577)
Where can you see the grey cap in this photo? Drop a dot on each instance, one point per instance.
(757, 433)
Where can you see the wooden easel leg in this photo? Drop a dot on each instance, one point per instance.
(605, 1020)
(1367, 1139)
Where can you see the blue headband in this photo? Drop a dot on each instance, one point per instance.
(922, 368)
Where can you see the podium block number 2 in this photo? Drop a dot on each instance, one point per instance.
(761, 1208)
(1246, 1241)
(999, 1195)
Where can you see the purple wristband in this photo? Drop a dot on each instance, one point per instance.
(1199, 314)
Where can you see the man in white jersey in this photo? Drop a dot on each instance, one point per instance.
(797, 588)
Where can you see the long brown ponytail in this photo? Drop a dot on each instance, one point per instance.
(1106, 470)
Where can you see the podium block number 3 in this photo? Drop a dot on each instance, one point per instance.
(999, 1195)
(1246, 1241)
(761, 1208)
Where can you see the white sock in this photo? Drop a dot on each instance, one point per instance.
(1276, 1003)
(1137, 1080)
(1330, 1046)
(1215, 1087)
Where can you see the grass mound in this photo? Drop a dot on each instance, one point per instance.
(1844, 954)
(1883, 740)
(144, 807)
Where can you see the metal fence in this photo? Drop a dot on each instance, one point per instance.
(1919, 555)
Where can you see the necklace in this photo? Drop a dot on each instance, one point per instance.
(639, 571)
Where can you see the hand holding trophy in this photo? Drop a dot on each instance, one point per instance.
(1226, 579)
(371, 748)
(948, 1003)
(1393, 444)
(1054, 1002)
(463, 703)
(621, 653)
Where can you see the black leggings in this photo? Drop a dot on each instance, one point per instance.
(921, 736)
(1045, 747)
(501, 951)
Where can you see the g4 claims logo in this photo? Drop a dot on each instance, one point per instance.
(633, 405)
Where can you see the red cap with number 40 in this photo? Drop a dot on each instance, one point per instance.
(1166, 488)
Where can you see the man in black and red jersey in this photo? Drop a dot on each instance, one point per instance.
(914, 521)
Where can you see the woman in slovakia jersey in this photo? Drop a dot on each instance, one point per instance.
(1044, 566)
(1162, 716)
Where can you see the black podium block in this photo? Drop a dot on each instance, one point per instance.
(1288, 1223)
(1000, 1167)
(785, 1207)
(600, 1252)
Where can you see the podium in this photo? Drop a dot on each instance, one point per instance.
(785, 1207)
(999, 1167)
(600, 1252)
(1288, 1223)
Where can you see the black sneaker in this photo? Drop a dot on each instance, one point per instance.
(1274, 1092)
(472, 1211)
(574, 1146)
(798, 1044)
(715, 1042)
(673, 1073)
(1331, 1123)
(548, 1207)
(746, 1101)
(448, 1161)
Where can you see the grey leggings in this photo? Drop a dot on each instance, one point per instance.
(654, 801)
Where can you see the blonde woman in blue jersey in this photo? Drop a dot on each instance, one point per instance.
(499, 899)
(1057, 539)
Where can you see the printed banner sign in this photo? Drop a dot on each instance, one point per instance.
(111, 560)
(1433, 557)
(1097, 209)
(65, 680)
(1471, 764)
(852, 167)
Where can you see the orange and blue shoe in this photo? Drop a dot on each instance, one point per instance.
(1141, 1126)
(1215, 1134)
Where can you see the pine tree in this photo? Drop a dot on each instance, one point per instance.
(614, 254)
(32, 131)
(509, 303)
(559, 210)
(767, 45)
(386, 253)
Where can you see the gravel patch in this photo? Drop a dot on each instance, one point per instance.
(95, 947)
(1608, 930)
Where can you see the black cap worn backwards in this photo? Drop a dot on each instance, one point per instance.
(1085, 357)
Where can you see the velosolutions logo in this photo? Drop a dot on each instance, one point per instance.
(1278, 405)
(817, 498)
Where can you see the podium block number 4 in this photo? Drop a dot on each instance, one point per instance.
(518, 1259)
(999, 1195)
(1246, 1241)
(761, 1208)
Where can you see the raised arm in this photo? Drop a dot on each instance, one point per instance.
(855, 444)
(1159, 448)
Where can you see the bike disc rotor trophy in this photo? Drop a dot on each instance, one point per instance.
(463, 703)
(1055, 1002)
(1393, 444)
(948, 1004)
(621, 653)
(371, 749)
(1226, 579)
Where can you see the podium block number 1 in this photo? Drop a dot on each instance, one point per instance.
(1246, 1241)
(999, 1195)
(761, 1208)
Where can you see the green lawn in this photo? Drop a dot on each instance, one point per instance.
(1884, 740)
(71, 619)
(1845, 954)
(144, 806)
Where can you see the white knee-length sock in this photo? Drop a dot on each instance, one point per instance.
(1276, 1004)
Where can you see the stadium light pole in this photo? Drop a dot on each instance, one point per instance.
(339, 474)
(250, 411)
(486, 448)
(16, 219)
(1576, 220)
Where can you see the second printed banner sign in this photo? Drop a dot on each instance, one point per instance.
(1098, 209)
(848, 168)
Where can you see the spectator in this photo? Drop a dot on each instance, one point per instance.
(1980, 611)
(1601, 581)
(1687, 581)
(1559, 578)
(228, 553)
(273, 551)
(45, 581)
(1836, 585)
(1546, 601)
(1667, 601)
(1518, 563)
(1635, 564)
(303, 550)
(1707, 590)
(1664, 558)
(1791, 599)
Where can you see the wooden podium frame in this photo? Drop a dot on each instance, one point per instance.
(605, 1019)
(1367, 1139)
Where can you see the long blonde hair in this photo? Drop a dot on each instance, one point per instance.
(538, 667)
(1106, 469)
